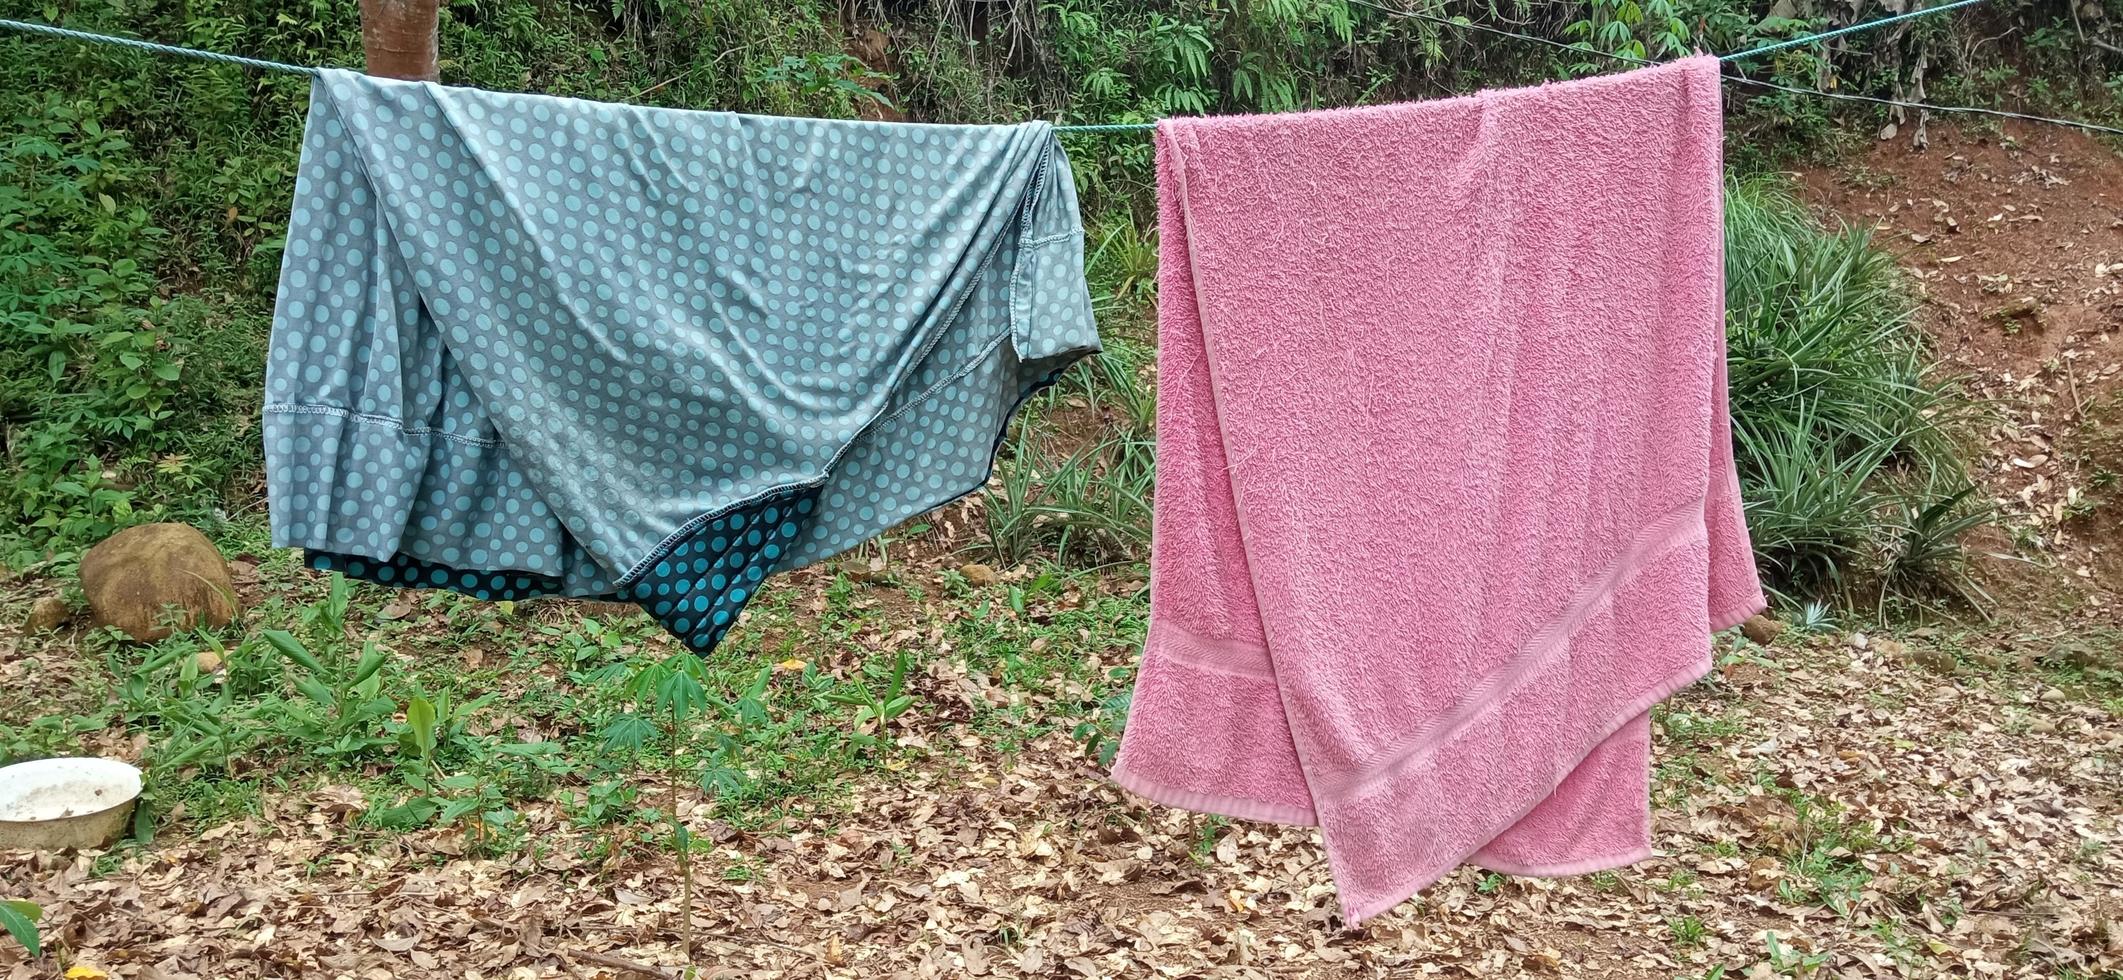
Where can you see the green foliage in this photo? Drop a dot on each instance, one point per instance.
(1851, 481)
(604, 802)
(418, 740)
(1090, 501)
(209, 702)
(579, 721)
(1784, 961)
(821, 73)
(876, 710)
(311, 699)
(86, 369)
(48, 735)
(1628, 29)
(1011, 501)
(1820, 326)
(588, 643)
(19, 918)
(1122, 268)
(340, 711)
(478, 796)
(201, 720)
(1812, 618)
(1810, 502)
(1100, 731)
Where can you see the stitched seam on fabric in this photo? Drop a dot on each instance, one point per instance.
(1025, 248)
(1400, 891)
(1220, 655)
(1739, 614)
(972, 364)
(1227, 670)
(385, 220)
(663, 548)
(1566, 868)
(994, 449)
(1238, 807)
(1673, 530)
(671, 541)
(957, 307)
(380, 421)
(1176, 132)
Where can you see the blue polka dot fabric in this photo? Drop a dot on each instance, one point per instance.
(413, 573)
(697, 589)
(528, 345)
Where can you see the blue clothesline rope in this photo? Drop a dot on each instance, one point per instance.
(48, 30)
(1853, 28)
(130, 42)
(1735, 56)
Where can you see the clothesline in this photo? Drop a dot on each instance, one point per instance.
(1094, 128)
(1780, 46)
(48, 30)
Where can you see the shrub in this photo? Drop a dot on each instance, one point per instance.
(87, 369)
(1852, 481)
(1087, 498)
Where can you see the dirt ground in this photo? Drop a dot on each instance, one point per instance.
(1945, 801)
(2014, 239)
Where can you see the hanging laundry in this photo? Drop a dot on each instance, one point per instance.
(1445, 496)
(529, 345)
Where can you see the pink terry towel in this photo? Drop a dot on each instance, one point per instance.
(1445, 493)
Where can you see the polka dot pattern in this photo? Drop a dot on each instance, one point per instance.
(524, 344)
(413, 573)
(698, 588)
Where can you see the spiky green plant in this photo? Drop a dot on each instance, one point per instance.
(1852, 477)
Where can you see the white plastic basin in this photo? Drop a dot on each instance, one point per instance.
(52, 804)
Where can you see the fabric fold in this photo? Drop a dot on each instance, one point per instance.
(528, 345)
(1445, 495)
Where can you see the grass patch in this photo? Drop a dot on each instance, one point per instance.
(1823, 851)
(448, 714)
(2090, 665)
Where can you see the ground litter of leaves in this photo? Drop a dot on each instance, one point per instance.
(1940, 802)
(1962, 825)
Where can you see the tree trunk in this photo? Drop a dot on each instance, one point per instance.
(398, 38)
